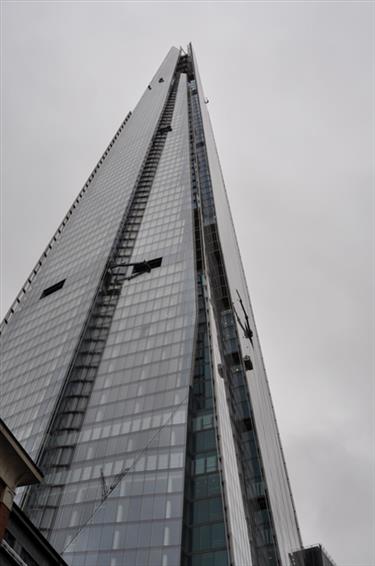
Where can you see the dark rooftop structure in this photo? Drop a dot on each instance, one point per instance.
(311, 556)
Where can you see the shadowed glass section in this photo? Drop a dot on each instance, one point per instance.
(205, 533)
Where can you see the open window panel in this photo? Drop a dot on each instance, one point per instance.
(52, 289)
(146, 266)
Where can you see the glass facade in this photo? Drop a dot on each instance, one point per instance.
(39, 341)
(272, 463)
(126, 374)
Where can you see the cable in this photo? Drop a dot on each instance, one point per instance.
(121, 475)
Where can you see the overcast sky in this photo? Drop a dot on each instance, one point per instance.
(291, 101)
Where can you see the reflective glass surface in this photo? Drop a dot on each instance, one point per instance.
(274, 465)
(39, 343)
(136, 418)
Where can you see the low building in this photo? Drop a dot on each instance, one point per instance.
(21, 543)
(16, 470)
(24, 545)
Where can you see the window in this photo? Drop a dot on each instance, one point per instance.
(27, 558)
(248, 363)
(146, 266)
(52, 289)
(9, 538)
(205, 440)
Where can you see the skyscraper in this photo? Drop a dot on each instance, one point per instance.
(132, 371)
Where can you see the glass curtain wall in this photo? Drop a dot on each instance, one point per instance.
(131, 367)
